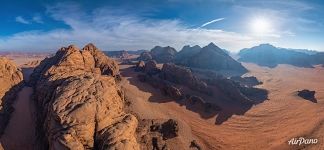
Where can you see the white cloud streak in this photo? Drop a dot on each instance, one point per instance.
(22, 20)
(212, 21)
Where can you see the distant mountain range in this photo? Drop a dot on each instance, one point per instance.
(270, 56)
(209, 57)
(123, 52)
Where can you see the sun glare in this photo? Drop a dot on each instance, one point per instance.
(260, 25)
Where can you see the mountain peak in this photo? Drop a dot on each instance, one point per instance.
(90, 47)
(266, 45)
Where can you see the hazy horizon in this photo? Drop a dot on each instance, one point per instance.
(128, 25)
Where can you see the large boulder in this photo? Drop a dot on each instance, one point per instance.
(11, 79)
(79, 103)
(169, 129)
(307, 94)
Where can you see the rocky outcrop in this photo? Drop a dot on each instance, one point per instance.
(79, 105)
(169, 129)
(246, 81)
(209, 57)
(178, 75)
(140, 66)
(172, 91)
(159, 54)
(183, 57)
(151, 67)
(307, 94)
(163, 54)
(11, 79)
(145, 56)
(199, 103)
(182, 75)
(155, 133)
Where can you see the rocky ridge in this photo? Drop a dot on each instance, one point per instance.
(209, 57)
(79, 104)
(159, 54)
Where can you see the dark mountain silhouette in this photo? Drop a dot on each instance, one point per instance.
(209, 57)
(270, 56)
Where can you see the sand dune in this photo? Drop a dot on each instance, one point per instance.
(268, 125)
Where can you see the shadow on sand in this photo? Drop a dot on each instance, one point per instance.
(228, 107)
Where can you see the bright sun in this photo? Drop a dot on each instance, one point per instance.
(260, 25)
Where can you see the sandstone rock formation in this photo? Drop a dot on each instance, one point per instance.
(172, 91)
(199, 103)
(159, 54)
(11, 81)
(154, 133)
(182, 75)
(163, 54)
(79, 105)
(140, 66)
(185, 54)
(151, 67)
(209, 57)
(216, 86)
(169, 129)
(145, 56)
(307, 94)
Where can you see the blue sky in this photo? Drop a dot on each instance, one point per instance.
(40, 25)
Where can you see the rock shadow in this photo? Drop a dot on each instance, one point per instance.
(222, 113)
(6, 103)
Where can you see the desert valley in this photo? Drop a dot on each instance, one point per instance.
(158, 99)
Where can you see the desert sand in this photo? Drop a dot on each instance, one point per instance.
(20, 132)
(268, 125)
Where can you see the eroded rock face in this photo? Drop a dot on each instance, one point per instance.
(172, 74)
(181, 75)
(169, 129)
(11, 81)
(155, 133)
(140, 66)
(151, 67)
(163, 54)
(10, 75)
(145, 56)
(79, 105)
